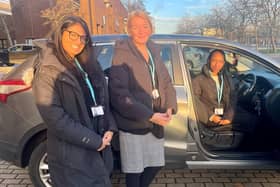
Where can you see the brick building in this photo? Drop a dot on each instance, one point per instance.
(105, 16)
(27, 21)
(102, 16)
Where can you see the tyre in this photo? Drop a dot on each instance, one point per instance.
(38, 166)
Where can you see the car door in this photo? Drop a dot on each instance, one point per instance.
(241, 62)
(176, 132)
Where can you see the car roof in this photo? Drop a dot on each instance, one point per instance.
(186, 38)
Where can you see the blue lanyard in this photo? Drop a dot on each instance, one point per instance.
(87, 81)
(220, 90)
(152, 69)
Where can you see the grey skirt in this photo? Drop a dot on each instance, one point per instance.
(140, 151)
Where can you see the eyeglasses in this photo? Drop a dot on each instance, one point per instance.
(75, 36)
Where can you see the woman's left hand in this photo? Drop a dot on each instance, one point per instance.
(225, 122)
(108, 137)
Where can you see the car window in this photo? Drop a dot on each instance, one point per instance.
(26, 48)
(15, 48)
(166, 56)
(195, 57)
(105, 56)
(242, 63)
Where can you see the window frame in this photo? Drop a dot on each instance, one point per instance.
(176, 67)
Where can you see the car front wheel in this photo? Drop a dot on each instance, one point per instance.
(38, 166)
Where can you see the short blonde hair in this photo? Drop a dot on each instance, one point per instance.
(141, 14)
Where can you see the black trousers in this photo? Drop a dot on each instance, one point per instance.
(143, 179)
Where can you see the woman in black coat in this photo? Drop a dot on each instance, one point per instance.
(72, 98)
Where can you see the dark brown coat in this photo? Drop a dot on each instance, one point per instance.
(205, 92)
(130, 87)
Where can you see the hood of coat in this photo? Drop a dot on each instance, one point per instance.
(47, 58)
(47, 55)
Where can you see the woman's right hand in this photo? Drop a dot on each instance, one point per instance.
(160, 118)
(103, 145)
(106, 140)
(216, 119)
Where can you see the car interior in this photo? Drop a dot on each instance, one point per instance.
(258, 94)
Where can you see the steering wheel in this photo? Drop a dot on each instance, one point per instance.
(246, 85)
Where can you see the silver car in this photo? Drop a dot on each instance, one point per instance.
(187, 143)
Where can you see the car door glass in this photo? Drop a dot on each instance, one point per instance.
(195, 58)
(241, 63)
(16, 48)
(105, 56)
(166, 56)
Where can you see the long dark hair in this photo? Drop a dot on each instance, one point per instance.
(86, 57)
(57, 37)
(225, 70)
(210, 56)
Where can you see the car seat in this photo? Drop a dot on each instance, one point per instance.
(220, 137)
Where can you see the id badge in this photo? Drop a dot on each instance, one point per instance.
(155, 94)
(219, 111)
(97, 111)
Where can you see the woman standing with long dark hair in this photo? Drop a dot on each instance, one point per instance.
(72, 98)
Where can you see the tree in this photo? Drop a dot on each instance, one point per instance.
(132, 5)
(59, 11)
(217, 20)
(271, 10)
(191, 25)
(241, 9)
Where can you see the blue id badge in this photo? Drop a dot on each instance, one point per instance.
(97, 111)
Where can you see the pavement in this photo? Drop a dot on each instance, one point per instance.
(12, 176)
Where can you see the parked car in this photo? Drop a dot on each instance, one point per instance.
(4, 56)
(257, 77)
(11, 57)
(19, 52)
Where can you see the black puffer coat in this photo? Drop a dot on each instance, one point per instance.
(73, 138)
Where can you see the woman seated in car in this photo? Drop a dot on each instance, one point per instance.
(216, 99)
